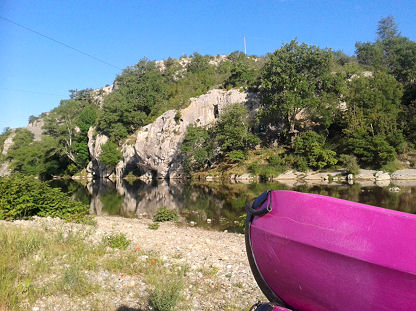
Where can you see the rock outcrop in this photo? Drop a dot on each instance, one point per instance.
(95, 142)
(35, 127)
(156, 150)
(8, 143)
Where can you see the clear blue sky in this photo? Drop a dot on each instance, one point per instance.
(35, 73)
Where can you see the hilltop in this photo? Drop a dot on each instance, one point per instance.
(301, 107)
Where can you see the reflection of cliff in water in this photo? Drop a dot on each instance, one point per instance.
(137, 198)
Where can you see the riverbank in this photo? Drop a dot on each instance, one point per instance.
(213, 266)
(403, 177)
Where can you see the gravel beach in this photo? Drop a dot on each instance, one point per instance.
(218, 276)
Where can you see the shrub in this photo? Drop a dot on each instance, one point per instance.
(197, 148)
(24, 196)
(178, 116)
(236, 156)
(164, 214)
(253, 168)
(116, 241)
(350, 163)
(310, 146)
(110, 155)
(167, 292)
(392, 166)
(154, 226)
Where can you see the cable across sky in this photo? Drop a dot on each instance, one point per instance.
(60, 42)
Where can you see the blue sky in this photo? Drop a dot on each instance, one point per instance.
(35, 73)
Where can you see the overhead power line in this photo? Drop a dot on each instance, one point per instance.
(60, 42)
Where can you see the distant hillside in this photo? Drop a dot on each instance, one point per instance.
(300, 107)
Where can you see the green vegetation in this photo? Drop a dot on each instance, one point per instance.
(167, 292)
(314, 103)
(154, 226)
(164, 214)
(110, 155)
(197, 148)
(27, 258)
(24, 196)
(116, 241)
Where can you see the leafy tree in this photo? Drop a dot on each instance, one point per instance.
(197, 148)
(69, 124)
(310, 145)
(387, 29)
(110, 155)
(370, 121)
(296, 84)
(40, 158)
(243, 71)
(232, 131)
(139, 89)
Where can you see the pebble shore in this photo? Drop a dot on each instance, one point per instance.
(218, 278)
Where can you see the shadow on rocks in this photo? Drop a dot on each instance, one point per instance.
(125, 308)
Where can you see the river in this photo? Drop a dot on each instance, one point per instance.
(215, 205)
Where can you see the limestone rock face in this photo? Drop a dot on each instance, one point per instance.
(95, 168)
(36, 128)
(8, 143)
(157, 151)
(4, 169)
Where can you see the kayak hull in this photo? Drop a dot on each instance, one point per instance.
(320, 253)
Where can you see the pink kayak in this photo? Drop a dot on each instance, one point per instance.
(310, 252)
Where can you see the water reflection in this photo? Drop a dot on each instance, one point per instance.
(216, 205)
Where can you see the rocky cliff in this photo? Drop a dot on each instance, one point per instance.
(155, 151)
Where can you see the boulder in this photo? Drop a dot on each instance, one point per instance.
(380, 175)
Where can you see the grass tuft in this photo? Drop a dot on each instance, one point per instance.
(116, 241)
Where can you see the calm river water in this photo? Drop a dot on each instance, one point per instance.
(216, 206)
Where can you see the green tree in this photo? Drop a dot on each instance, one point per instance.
(232, 131)
(387, 29)
(139, 89)
(370, 121)
(311, 146)
(110, 155)
(69, 124)
(297, 84)
(197, 148)
(243, 71)
(40, 158)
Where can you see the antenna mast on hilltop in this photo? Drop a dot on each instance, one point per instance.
(245, 50)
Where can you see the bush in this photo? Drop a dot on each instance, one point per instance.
(164, 214)
(392, 166)
(310, 146)
(24, 196)
(197, 148)
(154, 226)
(167, 292)
(116, 241)
(236, 156)
(110, 155)
(253, 168)
(350, 163)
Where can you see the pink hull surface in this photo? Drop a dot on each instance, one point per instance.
(320, 253)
